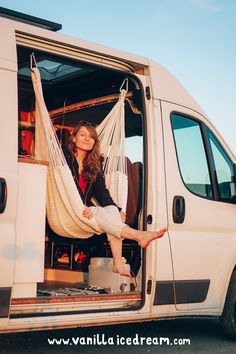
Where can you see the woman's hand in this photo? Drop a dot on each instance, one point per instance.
(87, 213)
(123, 216)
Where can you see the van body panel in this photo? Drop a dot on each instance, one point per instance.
(166, 87)
(8, 162)
(71, 321)
(88, 319)
(158, 253)
(25, 31)
(74, 52)
(8, 49)
(203, 246)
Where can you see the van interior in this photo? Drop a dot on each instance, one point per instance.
(79, 91)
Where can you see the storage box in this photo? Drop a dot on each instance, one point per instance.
(101, 275)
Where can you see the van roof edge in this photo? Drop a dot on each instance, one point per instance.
(32, 20)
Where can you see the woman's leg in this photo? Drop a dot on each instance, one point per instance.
(143, 238)
(116, 249)
(108, 218)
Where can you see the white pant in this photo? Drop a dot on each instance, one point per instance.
(108, 219)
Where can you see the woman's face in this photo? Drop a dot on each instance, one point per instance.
(83, 140)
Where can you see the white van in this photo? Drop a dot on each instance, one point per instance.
(181, 176)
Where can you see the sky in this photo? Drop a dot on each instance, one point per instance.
(194, 39)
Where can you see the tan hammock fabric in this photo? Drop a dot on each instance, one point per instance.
(64, 204)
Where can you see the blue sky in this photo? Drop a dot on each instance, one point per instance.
(194, 39)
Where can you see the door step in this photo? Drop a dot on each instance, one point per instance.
(43, 305)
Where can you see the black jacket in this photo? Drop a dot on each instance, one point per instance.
(96, 189)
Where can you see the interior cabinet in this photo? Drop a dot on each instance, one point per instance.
(30, 227)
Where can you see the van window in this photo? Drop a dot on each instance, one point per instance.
(134, 148)
(191, 155)
(223, 167)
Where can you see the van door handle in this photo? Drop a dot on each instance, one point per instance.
(178, 209)
(3, 194)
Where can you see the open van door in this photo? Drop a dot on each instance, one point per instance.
(8, 168)
(201, 212)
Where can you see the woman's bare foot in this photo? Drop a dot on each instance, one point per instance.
(119, 267)
(149, 236)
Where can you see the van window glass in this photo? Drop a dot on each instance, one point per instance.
(52, 70)
(134, 148)
(223, 167)
(191, 155)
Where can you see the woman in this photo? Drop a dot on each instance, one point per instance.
(85, 161)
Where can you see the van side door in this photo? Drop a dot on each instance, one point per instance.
(200, 180)
(8, 167)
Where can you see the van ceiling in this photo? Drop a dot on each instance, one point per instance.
(66, 81)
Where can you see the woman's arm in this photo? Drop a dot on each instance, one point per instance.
(101, 193)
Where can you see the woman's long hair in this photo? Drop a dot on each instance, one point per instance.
(92, 162)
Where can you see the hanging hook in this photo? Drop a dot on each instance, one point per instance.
(33, 61)
(125, 82)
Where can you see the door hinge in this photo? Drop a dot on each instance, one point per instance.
(149, 286)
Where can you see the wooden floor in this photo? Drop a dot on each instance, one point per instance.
(50, 285)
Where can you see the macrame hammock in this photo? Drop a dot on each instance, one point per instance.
(64, 205)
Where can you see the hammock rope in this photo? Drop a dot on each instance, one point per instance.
(64, 205)
(112, 147)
